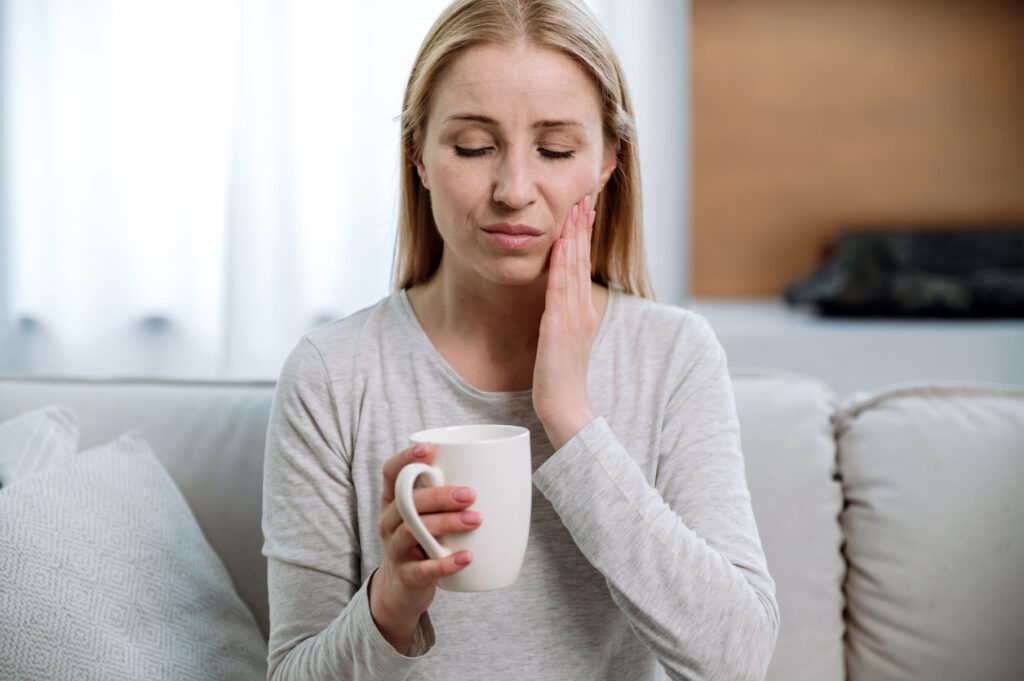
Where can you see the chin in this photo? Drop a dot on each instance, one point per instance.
(518, 272)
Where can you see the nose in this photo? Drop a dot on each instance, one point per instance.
(514, 184)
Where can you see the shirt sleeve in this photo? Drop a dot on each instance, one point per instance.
(320, 621)
(680, 554)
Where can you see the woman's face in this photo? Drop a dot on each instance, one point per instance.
(513, 139)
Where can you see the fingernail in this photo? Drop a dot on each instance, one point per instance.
(462, 494)
(591, 218)
(463, 558)
(419, 451)
(469, 517)
(586, 203)
(575, 212)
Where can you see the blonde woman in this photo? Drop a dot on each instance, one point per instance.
(521, 298)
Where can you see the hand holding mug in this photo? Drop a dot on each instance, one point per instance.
(403, 587)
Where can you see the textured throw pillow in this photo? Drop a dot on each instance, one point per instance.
(934, 527)
(36, 440)
(106, 575)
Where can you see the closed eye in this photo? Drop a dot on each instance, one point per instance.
(480, 151)
(463, 151)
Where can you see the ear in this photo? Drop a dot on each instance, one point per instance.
(421, 169)
(609, 163)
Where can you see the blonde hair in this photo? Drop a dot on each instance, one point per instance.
(617, 253)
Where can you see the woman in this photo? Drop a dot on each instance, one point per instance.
(520, 165)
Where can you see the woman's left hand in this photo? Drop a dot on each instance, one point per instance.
(567, 331)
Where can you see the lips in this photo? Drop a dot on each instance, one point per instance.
(513, 237)
(513, 230)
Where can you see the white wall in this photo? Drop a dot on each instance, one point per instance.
(660, 83)
(6, 332)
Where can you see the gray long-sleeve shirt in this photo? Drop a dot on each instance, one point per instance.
(642, 540)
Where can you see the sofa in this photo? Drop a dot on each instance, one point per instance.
(892, 521)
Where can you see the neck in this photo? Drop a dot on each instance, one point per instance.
(503, 319)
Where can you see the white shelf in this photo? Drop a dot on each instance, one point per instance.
(865, 354)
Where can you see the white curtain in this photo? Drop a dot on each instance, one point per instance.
(189, 185)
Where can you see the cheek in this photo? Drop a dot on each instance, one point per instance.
(570, 184)
(457, 187)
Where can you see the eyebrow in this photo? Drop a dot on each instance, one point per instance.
(539, 124)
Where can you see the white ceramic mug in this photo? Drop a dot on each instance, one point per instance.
(494, 461)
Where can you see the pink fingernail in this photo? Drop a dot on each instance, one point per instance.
(463, 558)
(469, 517)
(419, 451)
(590, 220)
(575, 212)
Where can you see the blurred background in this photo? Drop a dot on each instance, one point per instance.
(188, 186)
(884, 138)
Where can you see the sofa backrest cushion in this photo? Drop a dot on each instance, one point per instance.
(790, 455)
(210, 437)
(34, 441)
(934, 526)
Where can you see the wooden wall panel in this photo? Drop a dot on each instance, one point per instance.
(813, 116)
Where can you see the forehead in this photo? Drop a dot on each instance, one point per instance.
(516, 84)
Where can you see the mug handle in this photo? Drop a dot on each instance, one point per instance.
(407, 508)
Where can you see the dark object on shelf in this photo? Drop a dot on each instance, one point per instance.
(947, 273)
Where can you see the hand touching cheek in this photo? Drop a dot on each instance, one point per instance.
(567, 331)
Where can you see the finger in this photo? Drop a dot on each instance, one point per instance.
(402, 542)
(583, 240)
(583, 247)
(427, 500)
(570, 220)
(554, 299)
(423, 452)
(423, 573)
(572, 283)
(584, 266)
(555, 295)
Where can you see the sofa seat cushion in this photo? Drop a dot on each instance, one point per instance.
(934, 526)
(106, 575)
(790, 455)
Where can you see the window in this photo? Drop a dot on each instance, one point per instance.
(190, 185)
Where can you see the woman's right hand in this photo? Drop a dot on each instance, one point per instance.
(403, 587)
